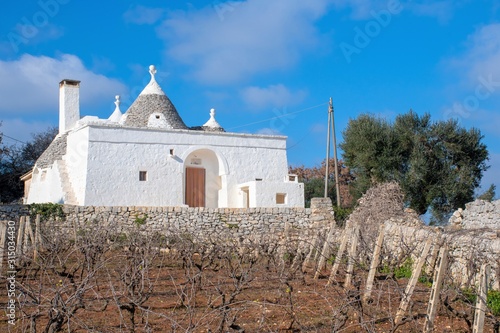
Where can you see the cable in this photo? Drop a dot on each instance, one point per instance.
(9, 137)
(277, 117)
(299, 141)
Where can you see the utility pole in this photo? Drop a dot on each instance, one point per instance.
(331, 124)
(328, 148)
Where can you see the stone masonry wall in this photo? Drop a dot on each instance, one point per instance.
(468, 248)
(204, 222)
(477, 214)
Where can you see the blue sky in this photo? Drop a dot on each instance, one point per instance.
(265, 66)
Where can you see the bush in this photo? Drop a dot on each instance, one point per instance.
(405, 270)
(493, 302)
(46, 210)
(341, 215)
(469, 295)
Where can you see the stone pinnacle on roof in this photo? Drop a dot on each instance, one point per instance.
(117, 114)
(153, 100)
(153, 87)
(212, 123)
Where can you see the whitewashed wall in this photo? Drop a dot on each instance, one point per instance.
(104, 161)
(46, 186)
(77, 161)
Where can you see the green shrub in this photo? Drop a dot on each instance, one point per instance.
(405, 270)
(140, 220)
(341, 215)
(331, 260)
(425, 279)
(469, 295)
(493, 302)
(46, 210)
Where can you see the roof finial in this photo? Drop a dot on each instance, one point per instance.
(153, 88)
(117, 102)
(152, 71)
(212, 123)
(117, 114)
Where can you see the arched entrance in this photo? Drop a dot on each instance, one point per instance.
(202, 181)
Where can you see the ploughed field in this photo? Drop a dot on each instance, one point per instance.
(98, 282)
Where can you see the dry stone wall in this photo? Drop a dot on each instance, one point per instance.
(199, 222)
(478, 214)
(468, 248)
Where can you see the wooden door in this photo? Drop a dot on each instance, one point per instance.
(195, 187)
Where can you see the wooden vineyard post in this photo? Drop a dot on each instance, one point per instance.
(352, 257)
(313, 246)
(434, 258)
(37, 238)
(37, 231)
(3, 237)
(405, 300)
(482, 294)
(20, 236)
(338, 258)
(374, 264)
(25, 233)
(439, 273)
(325, 252)
(28, 234)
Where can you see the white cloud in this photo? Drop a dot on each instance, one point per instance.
(482, 57)
(363, 9)
(227, 44)
(30, 84)
(442, 10)
(143, 15)
(272, 96)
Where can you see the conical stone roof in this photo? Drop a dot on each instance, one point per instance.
(150, 101)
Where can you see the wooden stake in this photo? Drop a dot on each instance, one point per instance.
(37, 238)
(374, 264)
(20, 236)
(338, 258)
(482, 294)
(29, 234)
(352, 258)
(434, 258)
(27, 226)
(38, 235)
(439, 274)
(307, 260)
(325, 252)
(3, 237)
(405, 301)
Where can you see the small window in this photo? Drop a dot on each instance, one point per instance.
(280, 198)
(171, 152)
(157, 117)
(143, 176)
(258, 179)
(292, 178)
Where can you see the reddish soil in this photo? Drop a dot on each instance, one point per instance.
(224, 296)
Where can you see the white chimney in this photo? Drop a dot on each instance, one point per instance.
(69, 104)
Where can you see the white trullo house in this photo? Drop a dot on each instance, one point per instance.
(149, 157)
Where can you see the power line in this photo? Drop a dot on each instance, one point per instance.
(9, 137)
(277, 117)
